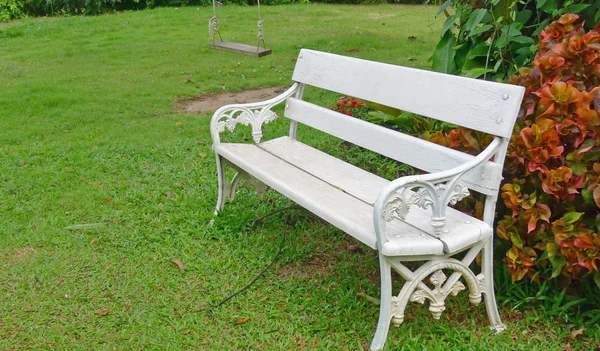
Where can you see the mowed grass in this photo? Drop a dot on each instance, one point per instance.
(104, 182)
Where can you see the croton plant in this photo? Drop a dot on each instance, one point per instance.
(551, 191)
(552, 170)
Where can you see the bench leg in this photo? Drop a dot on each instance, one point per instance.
(487, 268)
(385, 307)
(222, 184)
(227, 190)
(417, 289)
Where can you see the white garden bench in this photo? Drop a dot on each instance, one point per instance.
(407, 219)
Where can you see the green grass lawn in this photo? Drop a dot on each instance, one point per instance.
(103, 183)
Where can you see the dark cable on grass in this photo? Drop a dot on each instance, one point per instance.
(281, 246)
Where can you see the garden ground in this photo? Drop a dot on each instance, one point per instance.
(107, 187)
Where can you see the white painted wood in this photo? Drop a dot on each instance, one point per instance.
(463, 230)
(327, 187)
(336, 207)
(341, 175)
(460, 232)
(485, 106)
(416, 152)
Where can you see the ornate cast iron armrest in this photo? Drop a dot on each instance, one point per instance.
(253, 114)
(434, 191)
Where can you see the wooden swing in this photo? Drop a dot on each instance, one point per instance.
(213, 28)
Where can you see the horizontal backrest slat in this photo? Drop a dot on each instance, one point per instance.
(480, 105)
(404, 148)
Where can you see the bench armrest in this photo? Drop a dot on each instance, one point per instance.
(254, 114)
(435, 191)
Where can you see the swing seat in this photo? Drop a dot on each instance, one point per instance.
(244, 49)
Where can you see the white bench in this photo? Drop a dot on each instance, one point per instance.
(407, 219)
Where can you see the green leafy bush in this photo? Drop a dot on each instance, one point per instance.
(13, 9)
(10, 9)
(493, 38)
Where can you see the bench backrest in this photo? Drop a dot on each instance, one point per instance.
(480, 105)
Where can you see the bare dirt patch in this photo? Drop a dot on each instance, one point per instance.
(21, 255)
(317, 266)
(209, 103)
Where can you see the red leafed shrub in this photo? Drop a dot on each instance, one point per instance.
(552, 170)
(553, 162)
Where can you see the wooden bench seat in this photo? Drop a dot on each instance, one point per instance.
(345, 194)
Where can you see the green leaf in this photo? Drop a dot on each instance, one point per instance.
(587, 143)
(385, 109)
(552, 249)
(443, 7)
(516, 239)
(548, 6)
(597, 18)
(448, 24)
(539, 4)
(556, 258)
(597, 278)
(461, 56)
(480, 30)
(476, 72)
(598, 221)
(596, 196)
(572, 217)
(523, 16)
(578, 168)
(591, 156)
(474, 19)
(507, 34)
(588, 199)
(523, 51)
(558, 262)
(479, 50)
(576, 8)
(443, 56)
(521, 39)
(497, 65)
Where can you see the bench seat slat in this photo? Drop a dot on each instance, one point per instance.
(344, 211)
(346, 177)
(327, 187)
(336, 207)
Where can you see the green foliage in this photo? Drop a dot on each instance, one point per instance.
(493, 38)
(14, 9)
(577, 304)
(10, 9)
(393, 118)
